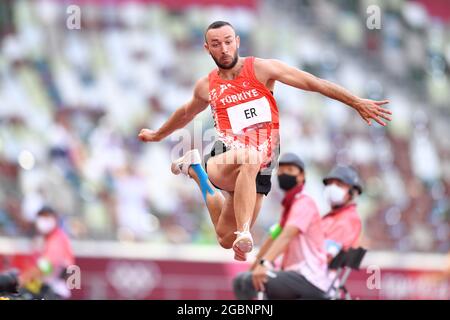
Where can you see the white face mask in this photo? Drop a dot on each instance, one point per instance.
(45, 224)
(334, 195)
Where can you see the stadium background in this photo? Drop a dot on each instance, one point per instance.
(73, 101)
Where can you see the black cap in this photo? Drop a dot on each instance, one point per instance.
(291, 158)
(345, 174)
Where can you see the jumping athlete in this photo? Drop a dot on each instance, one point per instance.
(240, 93)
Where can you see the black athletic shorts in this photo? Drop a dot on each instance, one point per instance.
(263, 183)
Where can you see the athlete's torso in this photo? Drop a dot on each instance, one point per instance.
(244, 110)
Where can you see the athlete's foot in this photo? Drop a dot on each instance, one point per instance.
(243, 244)
(239, 255)
(181, 165)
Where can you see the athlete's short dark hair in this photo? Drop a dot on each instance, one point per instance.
(217, 25)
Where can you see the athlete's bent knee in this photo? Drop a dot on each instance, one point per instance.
(226, 242)
(250, 169)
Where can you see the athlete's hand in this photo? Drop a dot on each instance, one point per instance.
(148, 135)
(259, 277)
(372, 110)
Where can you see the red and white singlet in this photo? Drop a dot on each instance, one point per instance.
(245, 111)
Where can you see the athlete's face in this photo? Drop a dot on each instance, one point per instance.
(223, 46)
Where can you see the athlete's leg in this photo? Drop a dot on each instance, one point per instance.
(190, 165)
(236, 170)
(245, 196)
(220, 205)
(214, 199)
(258, 204)
(221, 210)
(226, 225)
(217, 204)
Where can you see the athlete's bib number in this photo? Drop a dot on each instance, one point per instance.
(249, 113)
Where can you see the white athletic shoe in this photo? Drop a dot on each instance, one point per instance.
(243, 243)
(239, 256)
(181, 165)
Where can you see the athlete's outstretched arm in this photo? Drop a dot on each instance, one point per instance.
(367, 109)
(182, 116)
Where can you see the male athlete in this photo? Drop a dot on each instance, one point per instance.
(240, 93)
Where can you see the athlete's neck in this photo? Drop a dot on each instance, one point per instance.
(233, 73)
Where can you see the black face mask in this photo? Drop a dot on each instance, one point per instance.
(286, 181)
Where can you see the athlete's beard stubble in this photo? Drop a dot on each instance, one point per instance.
(227, 66)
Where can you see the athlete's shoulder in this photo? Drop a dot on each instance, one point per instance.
(203, 81)
(201, 89)
(266, 63)
(260, 62)
(269, 68)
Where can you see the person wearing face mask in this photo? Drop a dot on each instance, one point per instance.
(52, 260)
(342, 225)
(297, 242)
